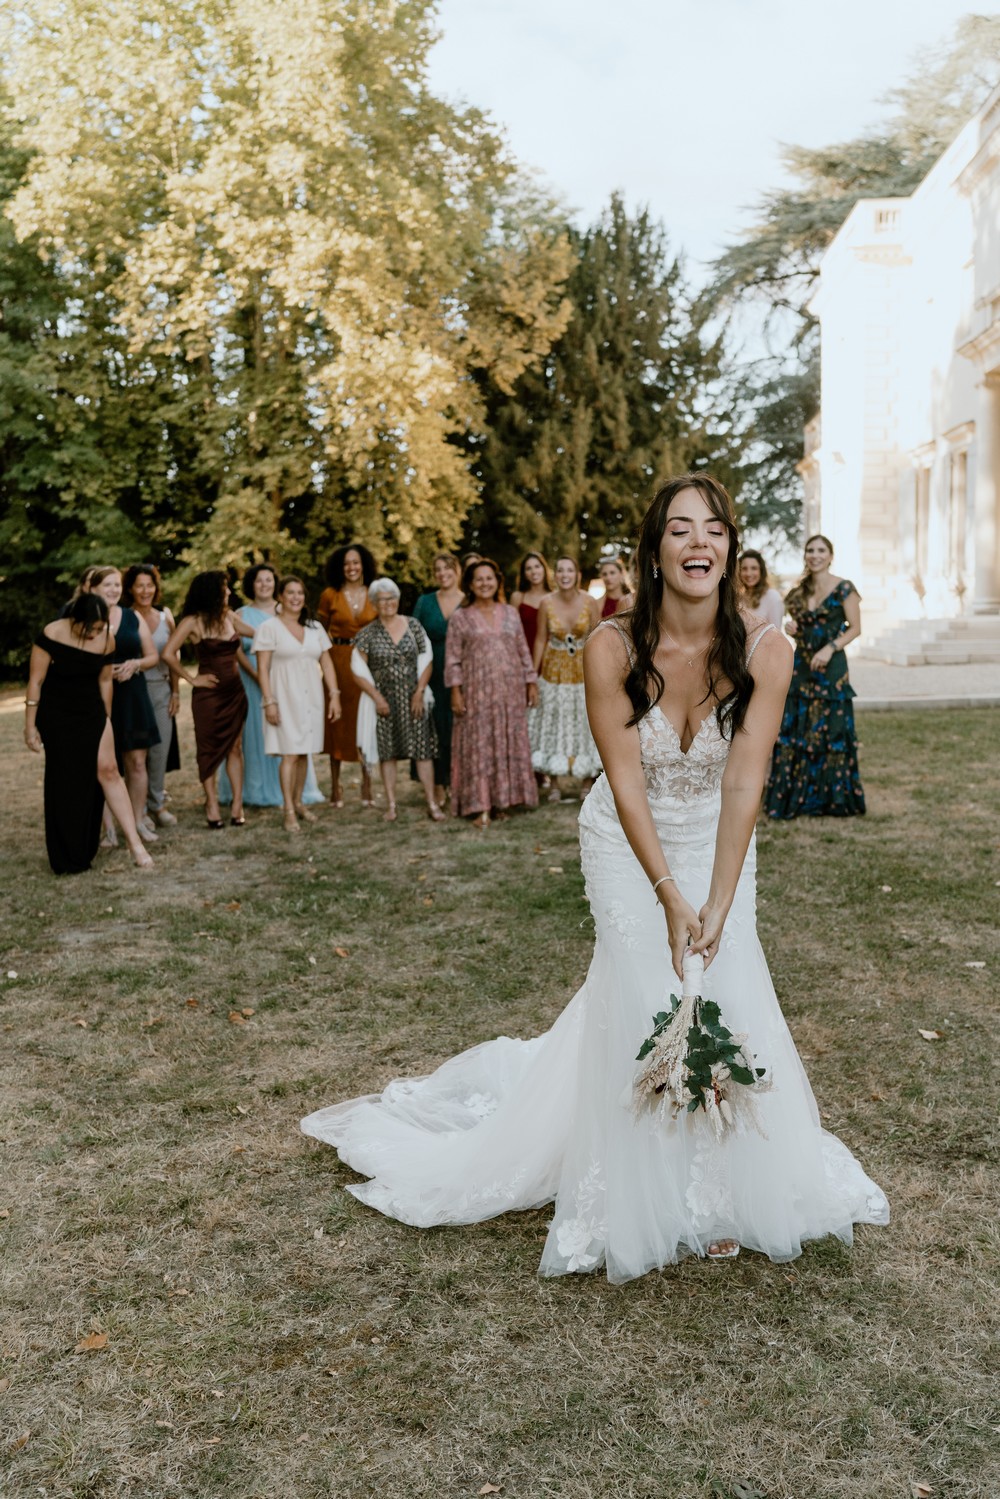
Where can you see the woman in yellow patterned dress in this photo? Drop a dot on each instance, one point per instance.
(562, 743)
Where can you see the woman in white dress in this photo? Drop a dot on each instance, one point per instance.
(685, 697)
(293, 662)
(759, 596)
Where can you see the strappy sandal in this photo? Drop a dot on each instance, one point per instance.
(290, 823)
(389, 815)
(305, 815)
(435, 814)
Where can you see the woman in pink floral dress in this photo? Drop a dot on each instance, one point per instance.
(493, 683)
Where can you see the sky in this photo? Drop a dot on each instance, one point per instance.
(681, 106)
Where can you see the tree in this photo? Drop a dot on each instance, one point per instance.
(284, 256)
(569, 457)
(773, 268)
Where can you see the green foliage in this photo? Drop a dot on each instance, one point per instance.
(274, 260)
(571, 454)
(773, 268)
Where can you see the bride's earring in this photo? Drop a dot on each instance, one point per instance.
(656, 571)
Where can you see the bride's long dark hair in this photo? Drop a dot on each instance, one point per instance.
(727, 653)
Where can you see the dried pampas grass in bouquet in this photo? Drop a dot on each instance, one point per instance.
(692, 1061)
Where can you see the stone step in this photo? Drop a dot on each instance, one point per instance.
(938, 653)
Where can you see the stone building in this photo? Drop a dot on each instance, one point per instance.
(902, 468)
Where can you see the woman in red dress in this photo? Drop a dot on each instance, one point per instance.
(534, 581)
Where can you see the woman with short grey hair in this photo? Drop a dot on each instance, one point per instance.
(393, 670)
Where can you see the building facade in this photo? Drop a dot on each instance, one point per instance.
(902, 468)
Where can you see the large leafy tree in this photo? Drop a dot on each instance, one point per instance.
(771, 271)
(284, 257)
(572, 452)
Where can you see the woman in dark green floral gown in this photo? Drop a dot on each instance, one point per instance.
(814, 771)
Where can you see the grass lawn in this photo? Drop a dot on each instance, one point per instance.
(257, 1334)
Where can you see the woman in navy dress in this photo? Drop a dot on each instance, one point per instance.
(814, 772)
(133, 719)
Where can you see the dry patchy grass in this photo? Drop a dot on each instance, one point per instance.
(270, 1338)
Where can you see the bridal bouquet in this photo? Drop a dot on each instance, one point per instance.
(693, 1061)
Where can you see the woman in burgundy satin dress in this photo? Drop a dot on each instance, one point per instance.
(218, 702)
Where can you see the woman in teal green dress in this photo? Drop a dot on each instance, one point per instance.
(814, 770)
(433, 611)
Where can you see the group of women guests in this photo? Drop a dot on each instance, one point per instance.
(483, 698)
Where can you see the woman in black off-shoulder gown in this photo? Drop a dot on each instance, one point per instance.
(66, 710)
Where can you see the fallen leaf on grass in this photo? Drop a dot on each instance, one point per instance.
(21, 1441)
(975, 965)
(212, 1441)
(312, 961)
(155, 1020)
(12, 973)
(237, 1017)
(232, 905)
(341, 952)
(489, 1488)
(191, 1004)
(92, 1343)
(920, 1490)
(79, 1020)
(219, 1394)
(4, 1386)
(242, 1108)
(885, 889)
(164, 1425)
(247, 1011)
(428, 900)
(932, 1035)
(4, 1212)
(554, 869)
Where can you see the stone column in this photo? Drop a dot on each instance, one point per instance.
(986, 520)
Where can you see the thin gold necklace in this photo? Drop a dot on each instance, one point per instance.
(689, 659)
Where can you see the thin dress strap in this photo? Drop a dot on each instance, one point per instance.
(757, 640)
(614, 624)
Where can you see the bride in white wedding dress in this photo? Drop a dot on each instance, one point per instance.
(685, 696)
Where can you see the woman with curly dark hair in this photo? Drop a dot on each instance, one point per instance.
(344, 608)
(218, 702)
(685, 700)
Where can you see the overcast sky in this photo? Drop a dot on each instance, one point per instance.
(681, 105)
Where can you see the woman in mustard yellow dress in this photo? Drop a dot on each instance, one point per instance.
(343, 609)
(561, 741)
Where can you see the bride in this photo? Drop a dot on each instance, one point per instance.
(685, 696)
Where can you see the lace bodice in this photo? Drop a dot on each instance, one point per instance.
(674, 776)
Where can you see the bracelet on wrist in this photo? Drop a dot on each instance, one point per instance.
(663, 880)
(32, 702)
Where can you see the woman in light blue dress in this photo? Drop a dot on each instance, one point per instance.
(261, 786)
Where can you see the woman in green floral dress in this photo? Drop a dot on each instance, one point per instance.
(814, 771)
